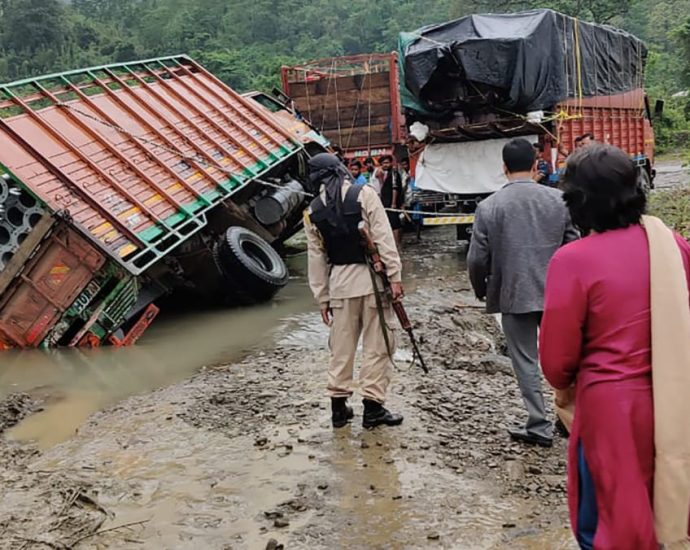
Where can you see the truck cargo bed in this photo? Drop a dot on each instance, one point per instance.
(353, 100)
(136, 152)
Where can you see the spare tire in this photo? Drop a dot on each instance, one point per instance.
(251, 265)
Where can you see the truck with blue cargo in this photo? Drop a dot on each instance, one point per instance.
(126, 183)
(469, 85)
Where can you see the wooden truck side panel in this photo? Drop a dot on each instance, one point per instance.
(50, 281)
(354, 101)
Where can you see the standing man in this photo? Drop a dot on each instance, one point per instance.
(391, 193)
(516, 231)
(587, 139)
(369, 169)
(405, 171)
(543, 167)
(343, 284)
(356, 171)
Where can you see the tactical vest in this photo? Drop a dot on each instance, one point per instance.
(342, 248)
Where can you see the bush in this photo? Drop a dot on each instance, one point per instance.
(674, 208)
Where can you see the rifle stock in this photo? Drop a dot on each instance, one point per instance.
(379, 268)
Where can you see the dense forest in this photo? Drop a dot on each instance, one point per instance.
(246, 41)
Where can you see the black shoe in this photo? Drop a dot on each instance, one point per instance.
(341, 413)
(376, 415)
(561, 429)
(530, 439)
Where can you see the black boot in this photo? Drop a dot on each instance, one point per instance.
(375, 415)
(341, 412)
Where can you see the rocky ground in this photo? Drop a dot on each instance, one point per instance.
(242, 455)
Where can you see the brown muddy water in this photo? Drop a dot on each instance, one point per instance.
(76, 383)
(239, 454)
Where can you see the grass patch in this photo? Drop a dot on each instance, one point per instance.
(672, 206)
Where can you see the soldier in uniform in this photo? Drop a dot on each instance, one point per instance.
(343, 285)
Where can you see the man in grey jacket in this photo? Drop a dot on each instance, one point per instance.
(516, 232)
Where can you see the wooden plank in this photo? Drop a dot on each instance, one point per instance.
(20, 257)
(362, 142)
(344, 83)
(361, 123)
(345, 99)
(347, 113)
(378, 134)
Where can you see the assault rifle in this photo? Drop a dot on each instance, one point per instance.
(377, 266)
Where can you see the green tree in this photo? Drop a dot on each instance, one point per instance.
(33, 25)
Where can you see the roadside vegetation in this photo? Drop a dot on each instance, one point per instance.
(673, 206)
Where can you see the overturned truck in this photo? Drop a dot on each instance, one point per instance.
(125, 183)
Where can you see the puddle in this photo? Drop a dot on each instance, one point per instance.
(76, 383)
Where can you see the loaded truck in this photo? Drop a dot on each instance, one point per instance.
(126, 183)
(353, 101)
(468, 86)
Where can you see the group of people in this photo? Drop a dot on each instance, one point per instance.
(589, 289)
(544, 173)
(390, 183)
(596, 292)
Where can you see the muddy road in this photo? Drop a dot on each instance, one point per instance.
(671, 173)
(242, 452)
(214, 432)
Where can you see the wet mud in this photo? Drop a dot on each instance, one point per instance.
(235, 450)
(242, 455)
(671, 174)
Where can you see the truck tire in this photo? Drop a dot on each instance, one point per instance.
(644, 180)
(463, 232)
(251, 265)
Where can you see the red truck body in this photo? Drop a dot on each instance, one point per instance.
(115, 184)
(354, 101)
(623, 120)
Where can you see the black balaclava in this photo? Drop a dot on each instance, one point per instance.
(325, 169)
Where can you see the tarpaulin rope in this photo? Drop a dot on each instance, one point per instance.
(359, 100)
(369, 120)
(325, 99)
(337, 106)
(578, 61)
(306, 92)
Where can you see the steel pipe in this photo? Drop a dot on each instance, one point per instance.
(32, 216)
(279, 204)
(15, 216)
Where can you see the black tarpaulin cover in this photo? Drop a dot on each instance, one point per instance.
(521, 62)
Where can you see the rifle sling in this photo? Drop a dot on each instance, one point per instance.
(382, 317)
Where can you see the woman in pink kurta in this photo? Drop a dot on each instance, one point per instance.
(596, 334)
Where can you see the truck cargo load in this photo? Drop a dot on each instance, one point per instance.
(469, 85)
(124, 183)
(521, 62)
(352, 100)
